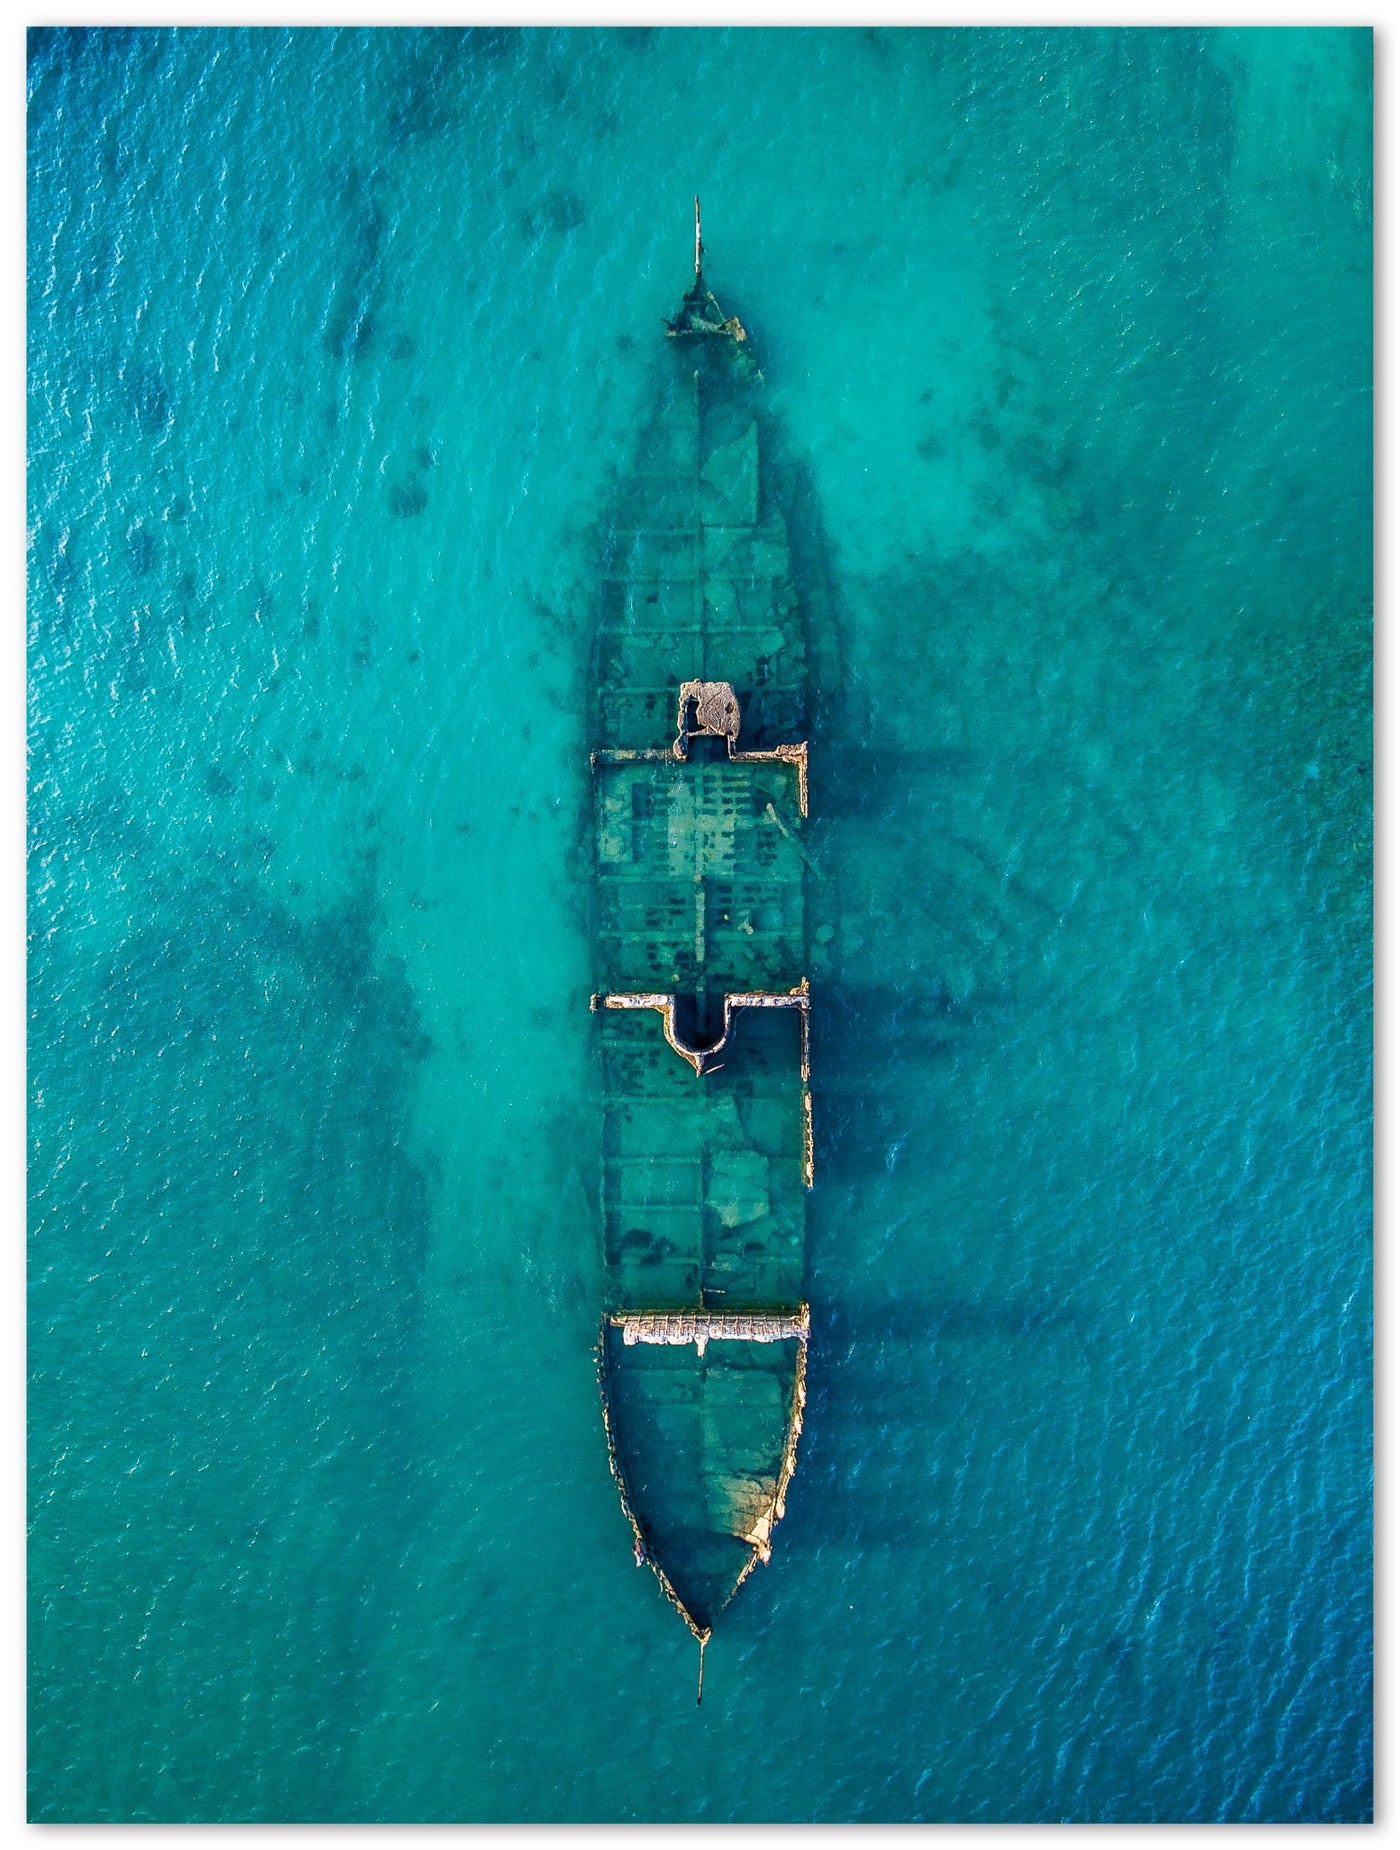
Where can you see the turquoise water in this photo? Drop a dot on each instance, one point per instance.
(336, 339)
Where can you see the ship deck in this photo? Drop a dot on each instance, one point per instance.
(701, 995)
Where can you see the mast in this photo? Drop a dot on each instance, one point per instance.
(699, 248)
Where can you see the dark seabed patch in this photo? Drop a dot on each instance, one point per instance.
(254, 1269)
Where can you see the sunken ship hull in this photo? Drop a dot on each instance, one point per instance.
(701, 993)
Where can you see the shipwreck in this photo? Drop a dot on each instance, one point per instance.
(700, 780)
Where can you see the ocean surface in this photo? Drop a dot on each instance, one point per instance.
(336, 341)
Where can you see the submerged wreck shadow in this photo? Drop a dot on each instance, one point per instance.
(880, 1369)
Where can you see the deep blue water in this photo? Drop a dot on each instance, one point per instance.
(334, 339)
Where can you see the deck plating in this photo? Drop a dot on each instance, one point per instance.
(700, 909)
